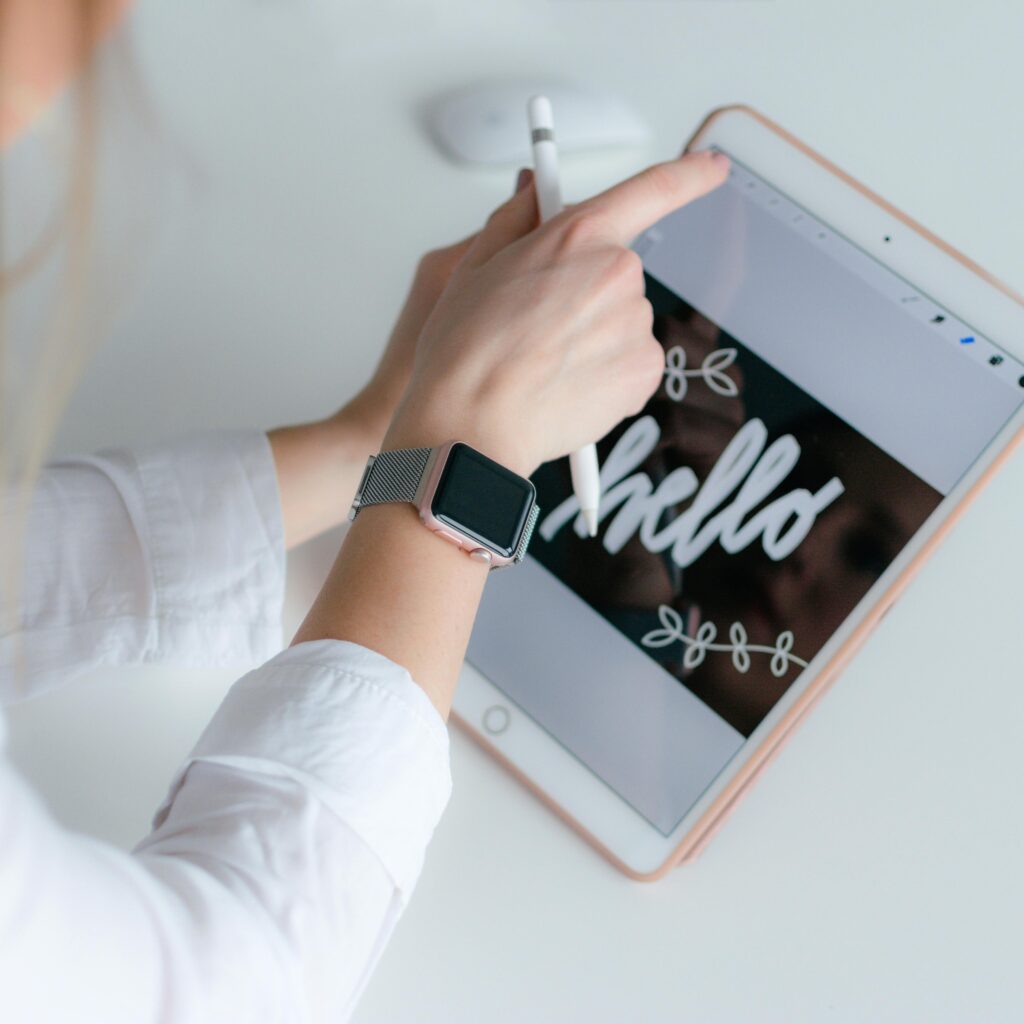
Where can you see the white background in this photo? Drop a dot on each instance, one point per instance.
(873, 874)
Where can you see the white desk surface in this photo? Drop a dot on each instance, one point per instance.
(874, 873)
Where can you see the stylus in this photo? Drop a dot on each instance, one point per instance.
(586, 478)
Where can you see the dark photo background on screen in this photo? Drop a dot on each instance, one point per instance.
(808, 592)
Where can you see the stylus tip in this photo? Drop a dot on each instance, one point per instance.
(590, 518)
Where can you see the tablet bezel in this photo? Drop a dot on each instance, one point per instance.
(583, 800)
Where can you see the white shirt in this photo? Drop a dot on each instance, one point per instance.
(290, 839)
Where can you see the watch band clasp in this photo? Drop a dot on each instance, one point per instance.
(357, 501)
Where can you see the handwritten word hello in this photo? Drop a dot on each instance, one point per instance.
(745, 463)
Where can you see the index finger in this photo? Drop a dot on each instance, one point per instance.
(635, 204)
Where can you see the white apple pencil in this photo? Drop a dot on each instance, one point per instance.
(586, 479)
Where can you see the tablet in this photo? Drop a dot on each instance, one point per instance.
(838, 384)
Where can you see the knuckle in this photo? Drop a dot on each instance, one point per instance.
(434, 263)
(502, 213)
(437, 266)
(495, 217)
(656, 357)
(582, 228)
(625, 267)
(634, 401)
(632, 266)
(647, 314)
(643, 382)
(635, 404)
(428, 259)
(651, 368)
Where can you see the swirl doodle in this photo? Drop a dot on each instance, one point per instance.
(739, 646)
(711, 371)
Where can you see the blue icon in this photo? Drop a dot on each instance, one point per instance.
(969, 340)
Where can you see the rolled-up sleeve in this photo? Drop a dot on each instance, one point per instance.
(283, 856)
(349, 726)
(171, 553)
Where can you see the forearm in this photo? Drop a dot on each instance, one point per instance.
(319, 465)
(288, 845)
(397, 588)
(540, 343)
(403, 592)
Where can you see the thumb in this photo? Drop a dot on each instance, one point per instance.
(509, 222)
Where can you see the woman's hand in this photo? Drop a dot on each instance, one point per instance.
(319, 464)
(540, 343)
(542, 340)
(372, 409)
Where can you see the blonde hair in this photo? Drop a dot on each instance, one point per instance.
(38, 373)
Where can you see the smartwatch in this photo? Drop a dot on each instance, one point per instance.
(461, 495)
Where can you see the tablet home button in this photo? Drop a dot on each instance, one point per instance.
(496, 719)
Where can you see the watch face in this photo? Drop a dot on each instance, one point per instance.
(483, 500)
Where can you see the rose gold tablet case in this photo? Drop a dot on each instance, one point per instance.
(712, 819)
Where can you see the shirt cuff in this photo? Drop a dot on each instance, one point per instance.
(215, 539)
(354, 729)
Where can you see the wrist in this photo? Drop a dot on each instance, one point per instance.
(318, 466)
(399, 590)
(361, 423)
(414, 427)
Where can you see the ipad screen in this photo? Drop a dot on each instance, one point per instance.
(814, 411)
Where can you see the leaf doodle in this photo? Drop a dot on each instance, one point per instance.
(739, 646)
(676, 383)
(781, 657)
(698, 647)
(740, 653)
(673, 623)
(714, 372)
(711, 371)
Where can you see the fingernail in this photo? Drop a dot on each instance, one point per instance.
(522, 178)
(719, 159)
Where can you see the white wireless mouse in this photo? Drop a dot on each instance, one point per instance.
(486, 123)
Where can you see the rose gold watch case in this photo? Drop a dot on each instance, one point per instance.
(758, 758)
(425, 499)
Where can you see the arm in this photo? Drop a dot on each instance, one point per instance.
(541, 342)
(175, 552)
(171, 552)
(278, 866)
(293, 835)
(319, 464)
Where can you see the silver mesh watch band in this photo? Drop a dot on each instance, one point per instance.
(392, 477)
(524, 541)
